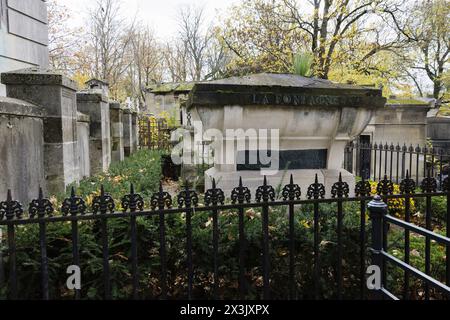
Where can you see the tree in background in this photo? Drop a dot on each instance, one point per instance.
(146, 67)
(425, 26)
(62, 39)
(345, 35)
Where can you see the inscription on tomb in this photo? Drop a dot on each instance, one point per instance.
(304, 100)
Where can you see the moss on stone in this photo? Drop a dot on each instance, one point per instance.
(406, 101)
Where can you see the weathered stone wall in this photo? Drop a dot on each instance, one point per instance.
(21, 149)
(23, 35)
(83, 145)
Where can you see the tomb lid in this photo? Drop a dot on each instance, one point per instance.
(20, 108)
(168, 88)
(283, 89)
(37, 76)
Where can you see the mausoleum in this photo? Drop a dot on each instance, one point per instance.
(315, 120)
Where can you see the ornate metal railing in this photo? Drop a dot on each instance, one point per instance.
(74, 211)
(375, 161)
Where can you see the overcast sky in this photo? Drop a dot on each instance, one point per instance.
(159, 14)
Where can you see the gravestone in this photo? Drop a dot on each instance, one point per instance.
(95, 104)
(117, 148)
(314, 118)
(57, 95)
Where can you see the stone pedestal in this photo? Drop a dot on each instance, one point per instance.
(96, 106)
(117, 149)
(57, 95)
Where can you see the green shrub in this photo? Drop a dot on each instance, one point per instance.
(438, 208)
(59, 252)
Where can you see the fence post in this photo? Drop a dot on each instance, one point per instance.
(377, 210)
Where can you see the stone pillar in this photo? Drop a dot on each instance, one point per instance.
(96, 106)
(116, 113)
(83, 145)
(128, 132)
(57, 95)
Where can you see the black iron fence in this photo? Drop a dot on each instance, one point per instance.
(376, 161)
(74, 211)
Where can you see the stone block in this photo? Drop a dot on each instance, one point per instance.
(21, 149)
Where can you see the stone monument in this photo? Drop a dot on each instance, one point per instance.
(315, 120)
(56, 94)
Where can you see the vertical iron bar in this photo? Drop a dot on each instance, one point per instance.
(12, 262)
(407, 247)
(428, 246)
(362, 248)
(381, 162)
(216, 252)
(375, 163)
(377, 211)
(75, 250)
(425, 153)
(134, 256)
(386, 147)
(398, 164)
(265, 255)
(105, 251)
(411, 155)
(189, 250)
(391, 174)
(291, 253)
(316, 251)
(242, 250)
(339, 240)
(404, 149)
(417, 165)
(44, 259)
(162, 252)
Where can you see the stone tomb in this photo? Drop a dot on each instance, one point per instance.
(56, 94)
(315, 118)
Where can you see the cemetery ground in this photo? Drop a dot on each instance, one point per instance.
(143, 170)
